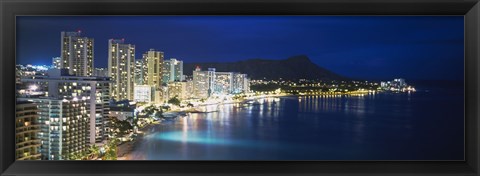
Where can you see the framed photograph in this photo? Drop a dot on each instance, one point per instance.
(239, 88)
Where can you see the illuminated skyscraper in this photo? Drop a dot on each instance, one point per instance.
(64, 127)
(139, 72)
(152, 74)
(94, 90)
(153, 61)
(231, 83)
(203, 82)
(27, 130)
(121, 68)
(76, 53)
(173, 70)
(241, 83)
(223, 83)
(208, 83)
(177, 89)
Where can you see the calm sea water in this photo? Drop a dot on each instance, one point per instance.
(425, 125)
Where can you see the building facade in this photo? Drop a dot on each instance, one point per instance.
(139, 72)
(173, 71)
(27, 130)
(189, 89)
(153, 61)
(143, 93)
(77, 53)
(64, 128)
(177, 89)
(121, 68)
(94, 90)
(241, 83)
(223, 83)
(208, 83)
(203, 82)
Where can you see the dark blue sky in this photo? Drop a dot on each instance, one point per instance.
(366, 47)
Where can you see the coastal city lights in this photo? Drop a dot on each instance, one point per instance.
(156, 92)
(156, 100)
(134, 94)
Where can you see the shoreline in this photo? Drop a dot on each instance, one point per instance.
(125, 150)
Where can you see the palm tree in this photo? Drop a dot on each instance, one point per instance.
(94, 152)
(111, 150)
(75, 156)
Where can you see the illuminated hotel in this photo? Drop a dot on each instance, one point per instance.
(152, 65)
(203, 82)
(139, 72)
(95, 90)
(173, 70)
(241, 83)
(208, 83)
(27, 129)
(153, 61)
(223, 83)
(177, 89)
(64, 127)
(121, 68)
(231, 83)
(77, 53)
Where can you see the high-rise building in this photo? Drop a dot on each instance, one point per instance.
(27, 130)
(231, 83)
(77, 53)
(173, 71)
(189, 89)
(203, 82)
(57, 62)
(208, 83)
(241, 83)
(94, 90)
(223, 83)
(139, 72)
(64, 127)
(121, 68)
(177, 89)
(153, 61)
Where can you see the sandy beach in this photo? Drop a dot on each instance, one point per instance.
(124, 150)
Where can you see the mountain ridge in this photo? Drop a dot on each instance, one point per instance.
(292, 68)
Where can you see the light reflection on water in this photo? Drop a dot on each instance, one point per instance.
(307, 128)
(207, 137)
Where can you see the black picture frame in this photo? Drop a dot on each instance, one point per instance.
(11, 8)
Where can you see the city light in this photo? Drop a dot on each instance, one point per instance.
(33, 87)
(154, 90)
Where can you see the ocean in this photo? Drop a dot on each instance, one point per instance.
(423, 125)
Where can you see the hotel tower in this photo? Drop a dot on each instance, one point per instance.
(76, 53)
(121, 69)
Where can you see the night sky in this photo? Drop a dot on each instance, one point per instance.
(365, 47)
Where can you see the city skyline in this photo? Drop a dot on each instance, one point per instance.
(76, 109)
(366, 47)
